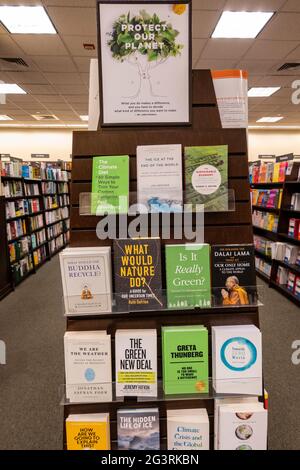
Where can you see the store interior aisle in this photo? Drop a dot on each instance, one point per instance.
(32, 325)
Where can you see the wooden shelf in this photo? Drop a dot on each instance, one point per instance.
(263, 256)
(266, 185)
(262, 275)
(13, 219)
(18, 238)
(288, 238)
(286, 292)
(267, 233)
(266, 209)
(292, 267)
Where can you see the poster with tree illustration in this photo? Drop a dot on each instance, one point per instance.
(145, 66)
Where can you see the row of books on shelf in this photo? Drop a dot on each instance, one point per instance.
(295, 202)
(289, 279)
(32, 189)
(52, 171)
(59, 242)
(36, 222)
(294, 228)
(22, 268)
(15, 188)
(22, 207)
(38, 238)
(239, 424)
(57, 215)
(40, 255)
(280, 251)
(265, 220)
(57, 229)
(12, 189)
(19, 249)
(263, 266)
(16, 229)
(270, 172)
(197, 276)
(270, 199)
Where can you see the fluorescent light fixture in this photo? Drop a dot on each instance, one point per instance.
(269, 128)
(241, 24)
(270, 119)
(84, 118)
(261, 92)
(26, 20)
(11, 89)
(3, 117)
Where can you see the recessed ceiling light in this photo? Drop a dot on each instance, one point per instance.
(3, 117)
(270, 119)
(84, 118)
(11, 89)
(241, 24)
(259, 92)
(26, 20)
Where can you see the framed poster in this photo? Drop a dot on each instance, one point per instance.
(144, 62)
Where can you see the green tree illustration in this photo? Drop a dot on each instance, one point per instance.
(140, 56)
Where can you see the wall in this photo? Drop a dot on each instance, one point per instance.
(273, 142)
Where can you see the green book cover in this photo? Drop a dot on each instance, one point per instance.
(110, 185)
(188, 276)
(206, 177)
(185, 359)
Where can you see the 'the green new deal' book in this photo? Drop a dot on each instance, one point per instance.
(188, 276)
(185, 359)
(206, 177)
(110, 185)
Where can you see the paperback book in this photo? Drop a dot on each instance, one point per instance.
(88, 432)
(188, 430)
(138, 429)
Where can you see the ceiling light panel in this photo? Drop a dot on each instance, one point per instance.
(260, 92)
(11, 89)
(26, 20)
(3, 117)
(270, 119)
(241, 24)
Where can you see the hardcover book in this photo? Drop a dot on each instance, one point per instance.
(86, 279)
(159, 178)
(88, 432)
(185, 359)
(188, 430)
(138, 429)
(136, 363)
(188, 276)
(206, 177)
(233, 275)
(88, 366)
(110, 185)
(137, 272)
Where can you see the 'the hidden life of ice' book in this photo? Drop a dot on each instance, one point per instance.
(137, 270)
(206, 177)
(233, 275)
(159, 178)
(138, 429)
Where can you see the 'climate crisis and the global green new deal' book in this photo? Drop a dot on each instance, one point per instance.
(188, 276)
(233, 275)
(137, 271)
(206, 177)
(110, 185)
(185, 359)
(138, 429)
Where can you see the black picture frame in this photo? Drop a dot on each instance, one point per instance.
(189, 71)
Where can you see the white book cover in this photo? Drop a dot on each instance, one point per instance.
(237, 359)
(88, 366)
(136, 363)
(159, 178)
(188, 430)
(86, 279)
(291, 253)
(243, 427)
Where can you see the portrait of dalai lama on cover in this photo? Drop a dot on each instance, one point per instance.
(234, 294)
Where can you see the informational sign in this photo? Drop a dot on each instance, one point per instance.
(40, 156)
(144, 62)
(2, 353)
(285, 158)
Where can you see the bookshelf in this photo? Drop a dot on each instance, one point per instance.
(284, 213)
(5, 273)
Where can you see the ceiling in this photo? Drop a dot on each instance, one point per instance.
(58, 74)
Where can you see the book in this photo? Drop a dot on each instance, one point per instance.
(206, 177)
(110, 185)
(137, 274)
(138, 429)
(136, 363)
(282, 276)
(291, 282)
(88, 432)
(88, 366)
(86, 279)
(290, 254)
(188, 430)
(159, 178)
(237, 359)
(185, 359)
(297, 287)
(188, 276)
(233, 275)
(243, 427)
(295, 202)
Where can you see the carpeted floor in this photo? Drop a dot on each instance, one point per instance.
(32, 325)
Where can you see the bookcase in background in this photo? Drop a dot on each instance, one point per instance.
(5, 274)
(220, 228)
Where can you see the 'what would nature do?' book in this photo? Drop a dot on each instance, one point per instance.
(138, 429)
(110, 185)
(206, 177)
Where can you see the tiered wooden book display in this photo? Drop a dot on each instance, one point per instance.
(220, 228)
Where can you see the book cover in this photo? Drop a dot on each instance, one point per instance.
(88, 432)
(159, 178)
(138, 429)
(136, 363)
(137, 274)
(110, 185)
(86, 278)
(185, 360)
(233, 275)
(188, 430)
(88, 367)
(206, 177)
(291, 282)
(188, 276)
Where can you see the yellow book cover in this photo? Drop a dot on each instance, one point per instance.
(271, 221)
(276, 173)
(88, 432)
(36, 258)
(280, 199)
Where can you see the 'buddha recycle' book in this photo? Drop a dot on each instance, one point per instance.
(206, 177)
